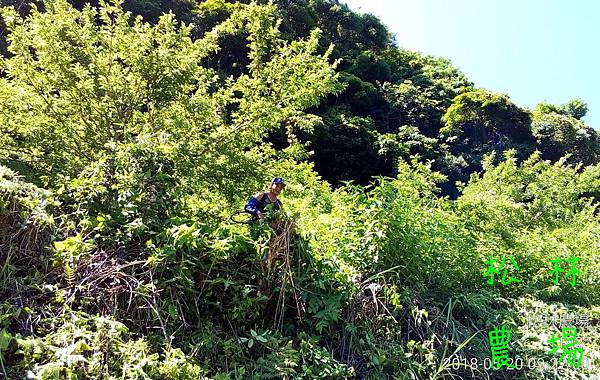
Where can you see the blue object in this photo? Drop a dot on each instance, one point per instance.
(256, 204)
(277, 180)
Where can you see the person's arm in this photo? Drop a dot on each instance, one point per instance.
(277, 205)
(252, 206)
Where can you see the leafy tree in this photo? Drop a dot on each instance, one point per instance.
(535, 211)
(559, 131)
(124, 110)
(480, 122)
(369, 58)
(558, 135)
(350, 32)
(437, 75)
(345, 146)
(371, 68)
(412, 105)
(575, 108)
(361, 96)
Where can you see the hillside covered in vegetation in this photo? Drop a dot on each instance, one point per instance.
(420, 212)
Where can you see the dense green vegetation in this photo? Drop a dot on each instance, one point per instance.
(395, 103)
(127, 142)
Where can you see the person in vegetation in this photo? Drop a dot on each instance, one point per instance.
(257, 204)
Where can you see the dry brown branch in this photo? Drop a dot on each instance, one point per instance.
(280, 252)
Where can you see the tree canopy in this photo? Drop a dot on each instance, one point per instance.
(132, 132)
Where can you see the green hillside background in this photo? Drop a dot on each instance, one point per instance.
(130, 133)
